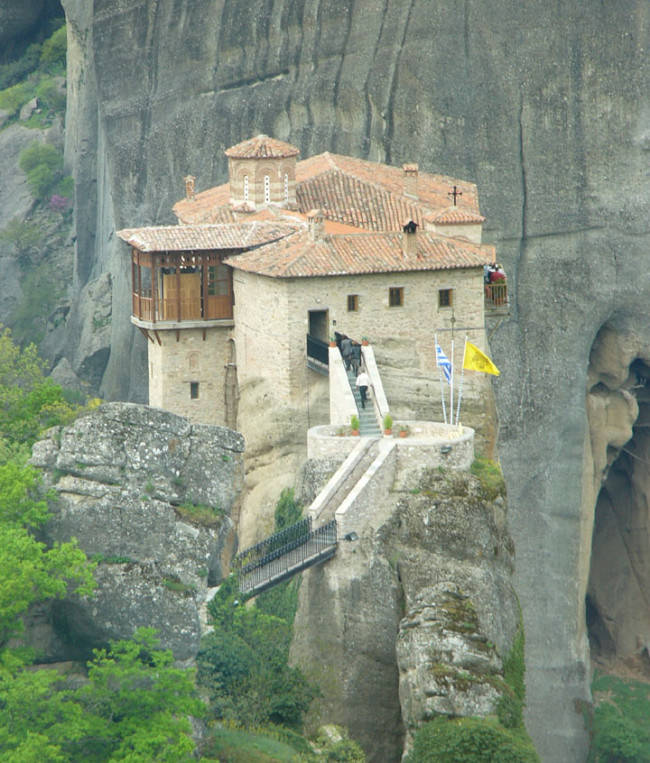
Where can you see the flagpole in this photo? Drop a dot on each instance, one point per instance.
(442, 390)
(451, 386)
(460, 388)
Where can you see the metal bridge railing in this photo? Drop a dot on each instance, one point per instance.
(271, 547)
(317, 349)
(288, 560)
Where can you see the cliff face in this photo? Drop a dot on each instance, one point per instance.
(544, 105)
(414, 618)
(129, 484)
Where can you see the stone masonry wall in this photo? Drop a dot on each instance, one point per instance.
(177, 362)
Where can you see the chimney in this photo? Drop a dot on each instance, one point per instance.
(316, 224)
(189, 186)
(411, 180)
(409, 238)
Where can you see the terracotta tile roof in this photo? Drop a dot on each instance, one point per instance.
(456, 216)
(298, 256)
(178, 238)
(350, 191)
(261, 147)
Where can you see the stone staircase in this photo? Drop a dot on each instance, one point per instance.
(367, 419)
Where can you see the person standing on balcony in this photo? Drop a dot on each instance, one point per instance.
(363, 382)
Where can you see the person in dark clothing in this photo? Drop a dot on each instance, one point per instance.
(355, 360)
(346, 352)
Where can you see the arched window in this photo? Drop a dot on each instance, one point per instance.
(286, 187)
(245, 187)
(267, 189)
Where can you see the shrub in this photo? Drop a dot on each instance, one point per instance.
(354, 423)
(50, 96)
(490, 476)
(13, 98)
(23, 236)
(287, 510)
(14, 71)
(470, 740)
(53, 54)
(43, 165)
(388, 421)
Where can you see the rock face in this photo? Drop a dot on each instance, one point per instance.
(544, 105)
(413, 619)
(128, 481)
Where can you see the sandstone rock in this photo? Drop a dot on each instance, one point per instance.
(422, 609)
(573, 242)
(127, 478)
(28, 109)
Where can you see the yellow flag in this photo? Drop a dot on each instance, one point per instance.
(475, 360)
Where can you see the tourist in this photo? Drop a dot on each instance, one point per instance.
(363, 382)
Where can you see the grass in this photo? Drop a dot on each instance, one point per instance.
(199, 513)
(174, 584)
(490, 476)
(235, 746)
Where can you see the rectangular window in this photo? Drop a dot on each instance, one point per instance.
(194, 390)
(395, 296)
(445, 297)
(353, 303)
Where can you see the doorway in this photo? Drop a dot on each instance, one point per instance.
(319, 324)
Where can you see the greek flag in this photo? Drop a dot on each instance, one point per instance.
(442, 361)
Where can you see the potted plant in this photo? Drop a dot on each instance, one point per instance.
(388, 424)
(354, 425)
(332, 341)
(404, 431)
(364, 341)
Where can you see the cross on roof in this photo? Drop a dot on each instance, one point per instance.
(455, 193)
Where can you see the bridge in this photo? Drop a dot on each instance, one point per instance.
(283, 555)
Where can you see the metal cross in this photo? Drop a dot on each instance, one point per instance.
(455, 193)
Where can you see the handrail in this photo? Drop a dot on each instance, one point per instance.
(318, 545)
(260, 553)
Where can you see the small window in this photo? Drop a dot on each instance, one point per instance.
(194, 390)
(245, 187)
(286, 187)
(353, 303)
(445, 297)
(395, 296)
(267, 189)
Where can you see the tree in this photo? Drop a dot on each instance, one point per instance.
(43, 165)
(134, 707)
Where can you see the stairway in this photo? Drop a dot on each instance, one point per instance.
(368, 426)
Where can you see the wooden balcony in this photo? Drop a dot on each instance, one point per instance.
(496, 298)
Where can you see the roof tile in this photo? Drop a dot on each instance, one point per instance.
(261, 147)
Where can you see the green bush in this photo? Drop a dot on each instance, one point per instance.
(490, 476)
(621, 730)
(50, 96)
(53, 54)
(14, 71)
(13, 98)
(287, 510)
(470, 740)
(43, 165)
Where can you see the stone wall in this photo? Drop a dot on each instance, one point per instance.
(186, 356)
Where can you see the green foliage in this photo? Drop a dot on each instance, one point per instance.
(490, 476)
(287, 510)
(470, 740)
(13, 98)
(621, 720)
(43, 165)
(53, 54)
(244, 662)
(514, 665)
(199, 513)
(133, 707)
(29, 402)
(29, 571)
(388, 421)
(50, 95)
(354, 423)
(14, 71)
(23, 236)
(234, 745)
